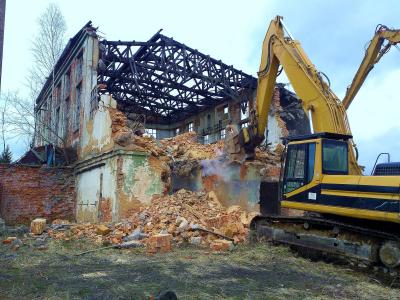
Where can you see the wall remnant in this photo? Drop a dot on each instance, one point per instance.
(29, 192)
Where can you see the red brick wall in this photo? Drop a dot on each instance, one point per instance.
(28, 192)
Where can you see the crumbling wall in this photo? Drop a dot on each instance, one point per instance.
(118, 172)
(276, 127)
(233, 183)
(97, 130)
(28, 192)
(286, 117)
(291, 112)
(115, 184)
(96, 190)
(140, 179)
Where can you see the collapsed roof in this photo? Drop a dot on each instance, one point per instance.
(162, 79)
(166, 80)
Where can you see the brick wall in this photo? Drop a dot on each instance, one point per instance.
(27, 192)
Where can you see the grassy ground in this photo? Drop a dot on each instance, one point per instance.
(256, 271)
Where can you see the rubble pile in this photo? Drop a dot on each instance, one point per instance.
(183, 152)
(184, 217)
(182, 147)
(186, 147)
(187, 214)
(124, 136)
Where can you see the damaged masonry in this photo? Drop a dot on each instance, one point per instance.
(131, 133)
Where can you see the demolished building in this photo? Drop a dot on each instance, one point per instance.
(103, 95)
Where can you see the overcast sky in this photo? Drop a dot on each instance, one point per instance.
(333, 34)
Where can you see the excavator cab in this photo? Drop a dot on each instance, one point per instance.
(308, 158)
(300, 163)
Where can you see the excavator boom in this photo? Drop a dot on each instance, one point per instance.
(318, 100)
(376, 49)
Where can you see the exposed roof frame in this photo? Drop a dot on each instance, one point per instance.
(167, 80)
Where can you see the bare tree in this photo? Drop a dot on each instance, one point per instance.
(47, 47)
(10, 133)
(17, 115)
(22, 122)
(3, 111)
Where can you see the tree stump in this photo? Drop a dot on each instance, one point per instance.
(38, 225)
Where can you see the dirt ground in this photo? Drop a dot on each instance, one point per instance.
(259, 271)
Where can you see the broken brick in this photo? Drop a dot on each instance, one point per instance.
(102, 230)
(159, 243)
(38, 225)
(218, 222)
(233, 209)
(9, 240)
(221, 245)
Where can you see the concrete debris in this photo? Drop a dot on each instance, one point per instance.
(196, 240)
(16, 244)
(136, 235)
(17, 230)
(130, 244)
(198, 218)
(233, 209)
(2, 226)
(42, 247)
(183, 224)
(40, 241)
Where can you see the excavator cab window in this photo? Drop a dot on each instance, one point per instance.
(335, 157)
(300, 161)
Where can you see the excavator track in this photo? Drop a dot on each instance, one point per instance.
(331, 238)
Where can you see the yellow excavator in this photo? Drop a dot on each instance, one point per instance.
(346, 213)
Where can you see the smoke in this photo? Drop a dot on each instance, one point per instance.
(214, 167)
(219, 152)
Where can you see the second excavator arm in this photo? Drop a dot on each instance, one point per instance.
(376, 49)
(318, 101)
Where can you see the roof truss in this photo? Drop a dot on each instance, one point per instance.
(166, 80)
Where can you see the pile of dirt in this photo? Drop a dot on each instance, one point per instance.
(190, 217)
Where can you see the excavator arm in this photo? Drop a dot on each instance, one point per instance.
(376, 49)
(326, 111)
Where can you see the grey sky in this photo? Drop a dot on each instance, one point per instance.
(333, 34)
